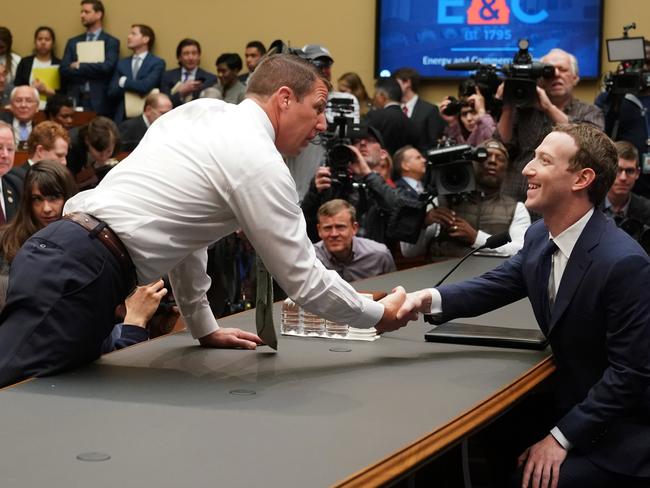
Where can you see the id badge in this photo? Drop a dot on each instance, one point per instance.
(645, 163)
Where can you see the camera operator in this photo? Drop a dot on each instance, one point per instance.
(628, 119)
(468, 122)
(365, 189)
(620, 203)
(461, 223)
(523, 128)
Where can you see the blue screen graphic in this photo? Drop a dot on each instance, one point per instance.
(427, 34)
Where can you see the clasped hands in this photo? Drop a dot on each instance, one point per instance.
(401, 307)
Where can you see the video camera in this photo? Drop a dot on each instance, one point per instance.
(630, 77)
(450, 172)
(450, 169)
(520, 87)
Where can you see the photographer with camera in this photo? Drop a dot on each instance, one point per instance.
(467, 119)
(523, 127)
(626, 104)
(357, 183)
(629, 211)
(459, 223)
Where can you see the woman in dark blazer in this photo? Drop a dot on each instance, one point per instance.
(43, 56)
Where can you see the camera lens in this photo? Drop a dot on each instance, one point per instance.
(455, 178)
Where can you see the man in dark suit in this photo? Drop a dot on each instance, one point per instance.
(24, 107)
(87, 83)
(10, 184)
(132, 130)
(49, 140)
(424, 115)
(185, 83)
(587, 282)
(139, 73)
(389, 119)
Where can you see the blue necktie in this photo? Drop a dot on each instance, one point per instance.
(23, 131)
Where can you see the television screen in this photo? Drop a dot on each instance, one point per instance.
(427, 34)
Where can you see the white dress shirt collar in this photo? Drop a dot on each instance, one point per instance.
(567, 239)
(410, 105)
(413, 183)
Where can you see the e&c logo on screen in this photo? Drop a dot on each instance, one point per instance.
(487, 12)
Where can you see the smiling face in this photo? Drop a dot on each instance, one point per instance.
(337, 233)
(561, 85)
(550, 177)
(300, 121)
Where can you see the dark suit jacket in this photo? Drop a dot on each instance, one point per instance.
(599, 331)
(12, 189)
(396, 128)
(131, 133)
(405, 189)
(428, 124)
(24, 69)
(148, 78)
(173, 76)
(20, 171)
(98, 75)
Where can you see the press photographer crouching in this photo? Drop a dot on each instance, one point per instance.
(356, 181)
(630, 211)
(463, 221)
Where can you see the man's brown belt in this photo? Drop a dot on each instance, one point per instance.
(100, 230)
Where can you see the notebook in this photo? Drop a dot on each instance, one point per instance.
(486, 335)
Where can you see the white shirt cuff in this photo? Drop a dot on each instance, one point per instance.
(201, 323)
(559, 437)
(481, 238)
(436, 301)
(121, 81)
(371, 315)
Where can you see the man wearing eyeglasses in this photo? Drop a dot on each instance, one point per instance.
(621, 204)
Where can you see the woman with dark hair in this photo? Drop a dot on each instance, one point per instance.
(48, 184)
(43, 57)
(8, 58)
(472, 124)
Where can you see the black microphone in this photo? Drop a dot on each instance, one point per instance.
(492, 242)
(462, 66)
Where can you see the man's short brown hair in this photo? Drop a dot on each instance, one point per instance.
(627, 151)
(45, 134)
(595, 151)
(280, 70)
(333, 207)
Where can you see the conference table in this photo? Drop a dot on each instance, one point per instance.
(318, 412)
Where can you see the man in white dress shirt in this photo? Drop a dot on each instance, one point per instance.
(201, 171)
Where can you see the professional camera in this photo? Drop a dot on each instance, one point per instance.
(520, 88)
(485, 79)
(520, 77)
(450, 169)
(630, 77)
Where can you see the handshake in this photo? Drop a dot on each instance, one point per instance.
(401, 307)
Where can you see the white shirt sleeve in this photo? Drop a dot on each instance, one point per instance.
(190, 284)
(280, 238)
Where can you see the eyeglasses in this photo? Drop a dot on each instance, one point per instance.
(627, 171)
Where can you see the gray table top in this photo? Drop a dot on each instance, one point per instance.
(168, 414)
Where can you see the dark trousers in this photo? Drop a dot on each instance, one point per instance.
(64, 286)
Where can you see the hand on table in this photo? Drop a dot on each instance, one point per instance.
(229, 338)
